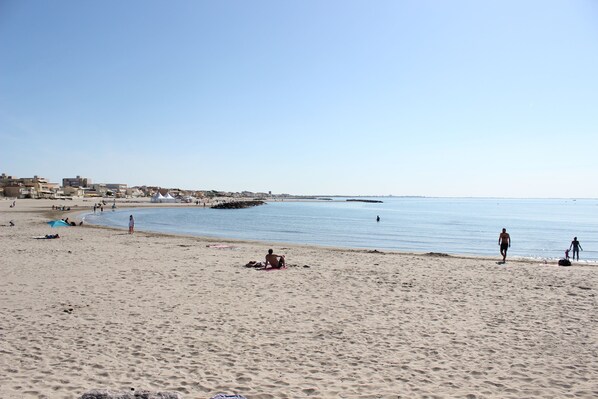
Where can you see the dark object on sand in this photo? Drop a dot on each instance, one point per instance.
(238, 204)
(437, 254)
(564, 262)
(253, 263)
(106, 394)
(47, 237)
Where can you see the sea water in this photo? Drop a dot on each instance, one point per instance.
(539, 228)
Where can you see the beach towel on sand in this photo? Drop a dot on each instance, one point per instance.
(47, 237)
(223, 396)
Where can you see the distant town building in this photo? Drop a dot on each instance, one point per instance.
(116, 190)
(73, 191)
(27, 187)
(76, 182)
(96, 190)
(116, 186)
(134, 192)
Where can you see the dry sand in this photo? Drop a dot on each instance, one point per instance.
(99, 308)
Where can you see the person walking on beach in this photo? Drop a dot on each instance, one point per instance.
(504, 240)
(131, 224)
(576, 246)
(274, 260)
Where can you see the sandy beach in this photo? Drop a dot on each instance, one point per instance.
(100, 308)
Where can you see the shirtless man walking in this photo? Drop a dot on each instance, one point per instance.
(504, 240)
(274, 260)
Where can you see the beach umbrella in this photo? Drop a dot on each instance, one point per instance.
(58, 223)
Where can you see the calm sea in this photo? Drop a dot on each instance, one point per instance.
(539, 228)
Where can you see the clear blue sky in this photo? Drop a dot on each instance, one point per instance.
(437, 98)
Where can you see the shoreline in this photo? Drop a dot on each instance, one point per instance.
(128, 204)
(513, 258)
(100, 308)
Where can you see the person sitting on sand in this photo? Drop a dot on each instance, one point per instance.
(274, 260)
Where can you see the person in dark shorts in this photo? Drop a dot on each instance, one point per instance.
(274, 260)
(504, 240)
(576, 246)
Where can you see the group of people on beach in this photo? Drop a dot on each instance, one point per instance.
(504, 241)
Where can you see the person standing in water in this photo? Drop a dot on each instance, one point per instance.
(576, 246)
(131, 224)
(504, 240)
